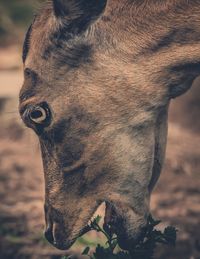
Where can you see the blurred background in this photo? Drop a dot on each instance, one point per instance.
(175, 201)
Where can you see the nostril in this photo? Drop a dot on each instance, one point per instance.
(49, 235)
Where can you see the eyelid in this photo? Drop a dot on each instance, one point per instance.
(30, 123)
(26, 103)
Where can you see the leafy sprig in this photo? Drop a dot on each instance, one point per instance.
(144, 249)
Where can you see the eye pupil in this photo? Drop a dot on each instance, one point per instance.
(36, 114)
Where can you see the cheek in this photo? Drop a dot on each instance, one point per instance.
(71, 152)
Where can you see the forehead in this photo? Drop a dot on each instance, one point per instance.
(47, 41)
(37, 33)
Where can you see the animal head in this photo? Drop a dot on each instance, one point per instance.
(98, 79)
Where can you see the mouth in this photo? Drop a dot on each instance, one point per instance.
(128, 230)
(128, 225)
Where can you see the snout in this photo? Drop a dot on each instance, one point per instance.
(57, 237)
(56, 232)
(127, 224)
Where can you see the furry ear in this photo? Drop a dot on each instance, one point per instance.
(78, 12)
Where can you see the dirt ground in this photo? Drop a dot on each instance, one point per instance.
(175, 201)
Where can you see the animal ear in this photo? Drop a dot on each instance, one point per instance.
(78, 12)
(180, 89)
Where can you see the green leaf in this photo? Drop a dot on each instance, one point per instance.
(123, 255)
(153, 222)
(97, 219)
(170, 234)
(102, 252)
(144, 249)
(86, 251)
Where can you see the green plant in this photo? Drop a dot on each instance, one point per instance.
(144, 249)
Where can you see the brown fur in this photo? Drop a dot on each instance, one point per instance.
(107, 74)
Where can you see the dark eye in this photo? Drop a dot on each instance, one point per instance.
(38, 115)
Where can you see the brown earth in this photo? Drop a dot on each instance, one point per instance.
(176, 200)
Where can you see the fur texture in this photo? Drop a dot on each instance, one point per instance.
(107, 72)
